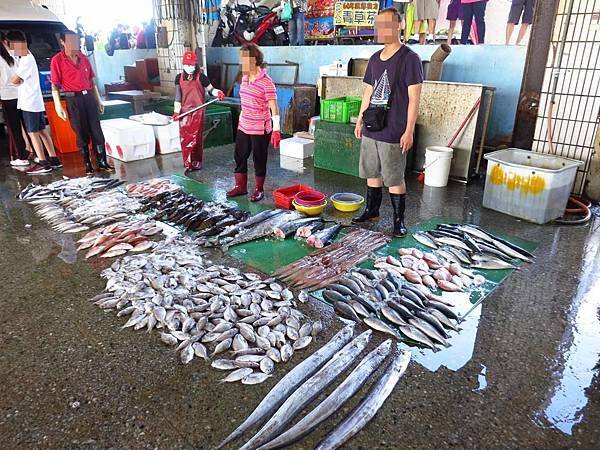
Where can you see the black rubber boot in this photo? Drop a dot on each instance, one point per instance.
(101, 159)
(398, 204)
(371, 211)
(85, 154)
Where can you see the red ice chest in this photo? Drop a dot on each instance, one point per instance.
(284, 196)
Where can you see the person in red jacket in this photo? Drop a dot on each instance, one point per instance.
(190, 91)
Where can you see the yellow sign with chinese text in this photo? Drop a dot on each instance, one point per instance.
(355, 13)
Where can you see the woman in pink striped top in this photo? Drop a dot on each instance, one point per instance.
(258, 124)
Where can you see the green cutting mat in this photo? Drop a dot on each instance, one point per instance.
(260, 254)
(268, 255)
(493, 277)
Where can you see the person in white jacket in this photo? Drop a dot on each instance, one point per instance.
(8, 98)
(31, 104)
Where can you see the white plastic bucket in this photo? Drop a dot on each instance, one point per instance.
(437, 166)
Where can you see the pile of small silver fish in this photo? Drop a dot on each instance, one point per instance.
(384, 301)
(151, 188)
(75, 214)
(328, 264)
(313, 376)
(470, 245)
(66, 188)
(244, 324)
(119, 238)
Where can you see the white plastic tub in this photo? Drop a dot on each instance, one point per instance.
(128, 140)
(531, 186)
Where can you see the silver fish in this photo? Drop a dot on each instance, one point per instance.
(301, 343)
(267, 366)
(237, 375)
(344, 392)
(187, 354)
(223, 364)
(308, 391)
(222, 346)
(367, 409)
(378, 325)
(256, 378)
(290, 382)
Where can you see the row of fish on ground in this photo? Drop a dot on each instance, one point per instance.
(304, 384)
(222, 225)
(235, 320)
(402, 296)
(239, 322)
(328, 264)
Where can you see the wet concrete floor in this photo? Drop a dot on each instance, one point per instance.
(72, 379)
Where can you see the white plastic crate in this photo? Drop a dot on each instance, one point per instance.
(296, 147)
(531, 186)
(128, 140)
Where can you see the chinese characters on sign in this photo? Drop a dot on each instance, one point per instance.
(356, 13)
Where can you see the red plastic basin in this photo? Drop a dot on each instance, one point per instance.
(309, 198)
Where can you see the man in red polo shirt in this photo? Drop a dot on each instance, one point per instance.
(70, 71)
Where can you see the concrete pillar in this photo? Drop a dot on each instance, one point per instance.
(181, 34)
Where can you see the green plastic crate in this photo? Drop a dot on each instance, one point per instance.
(340, 110)
(336, 148)
(116, 109)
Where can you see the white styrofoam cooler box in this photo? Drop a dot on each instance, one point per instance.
(296, 147)
(529, 185)
(167, 138)
(166, 132)
(128, 140)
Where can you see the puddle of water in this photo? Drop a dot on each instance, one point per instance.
(462, 343)
(580, 346)
(482, 380)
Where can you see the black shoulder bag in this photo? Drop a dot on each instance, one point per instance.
(375, 117)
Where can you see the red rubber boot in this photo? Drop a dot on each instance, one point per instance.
(241, 185)
(259, 192)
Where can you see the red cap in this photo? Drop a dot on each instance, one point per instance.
(189, 58)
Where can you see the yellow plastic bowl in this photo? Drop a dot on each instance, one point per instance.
(347, 207)
(310, 210)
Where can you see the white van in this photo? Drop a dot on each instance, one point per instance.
(42, 29)
(40, 25)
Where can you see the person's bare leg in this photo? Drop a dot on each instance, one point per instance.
(451, 29)
(417, 29)
(422, 38)
(38, 146)
(522, 33)
(399, 189)
(510, 27)
(432, 23)
(375, 182)
(47, 140)
(27, 141)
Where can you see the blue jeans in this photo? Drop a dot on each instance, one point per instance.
(476, 10)
(296, 28)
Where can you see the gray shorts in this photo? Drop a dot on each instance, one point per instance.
(382, 160)
(426, 9)
(521, 9)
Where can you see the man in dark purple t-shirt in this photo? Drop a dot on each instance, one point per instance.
(393, 80)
